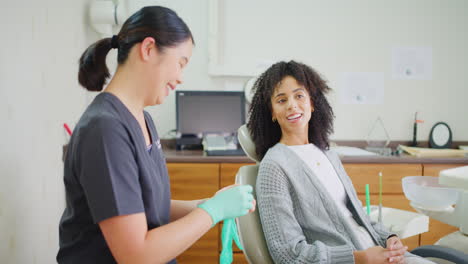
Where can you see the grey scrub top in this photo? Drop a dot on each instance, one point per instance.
(109, 171)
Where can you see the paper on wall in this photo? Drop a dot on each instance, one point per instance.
(412, 63)
(361, 88)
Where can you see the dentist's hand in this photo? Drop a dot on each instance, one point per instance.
(254, 203)
(229, 203)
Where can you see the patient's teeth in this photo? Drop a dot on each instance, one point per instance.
(294, 116)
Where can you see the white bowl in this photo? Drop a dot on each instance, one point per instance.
(426, 192)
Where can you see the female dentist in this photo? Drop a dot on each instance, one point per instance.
(119, 206)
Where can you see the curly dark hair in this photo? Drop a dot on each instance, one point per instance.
(266, 133)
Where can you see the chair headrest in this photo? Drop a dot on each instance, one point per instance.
(246, 142)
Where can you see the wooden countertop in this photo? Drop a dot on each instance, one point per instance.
(197, 156)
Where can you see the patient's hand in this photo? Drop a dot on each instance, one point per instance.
(254, 204)
(380, 255)
(394, 243)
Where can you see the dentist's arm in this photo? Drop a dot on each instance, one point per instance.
(130, 241)
(180, 208)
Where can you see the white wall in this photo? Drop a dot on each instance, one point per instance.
(41, 42)
(339, 36)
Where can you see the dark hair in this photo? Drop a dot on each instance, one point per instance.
(266, 133)
(161, 23)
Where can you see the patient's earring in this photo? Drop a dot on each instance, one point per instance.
(313, 109)
(273, 119)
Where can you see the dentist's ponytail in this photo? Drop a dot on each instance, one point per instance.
(93, 71)
(160, 23)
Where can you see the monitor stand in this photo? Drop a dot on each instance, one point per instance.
(189, 142)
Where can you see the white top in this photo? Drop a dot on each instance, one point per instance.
(323, 169)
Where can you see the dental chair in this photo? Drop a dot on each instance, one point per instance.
(250, 228)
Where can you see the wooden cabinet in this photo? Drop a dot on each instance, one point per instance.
(190, 181)
(362, 174)
(239, 258)
(437, 229)
(392, 191)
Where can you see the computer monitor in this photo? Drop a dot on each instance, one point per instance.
(200, 112)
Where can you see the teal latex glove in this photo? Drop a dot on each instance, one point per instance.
(230, 203)
(228, 234)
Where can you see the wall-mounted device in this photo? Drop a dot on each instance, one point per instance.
(104, 15)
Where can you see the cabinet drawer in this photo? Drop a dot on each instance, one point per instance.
(205, 250)
(362, 174)
(239, 258)
(412, 242)
(434, 169)
(229, 171)
(191, 181)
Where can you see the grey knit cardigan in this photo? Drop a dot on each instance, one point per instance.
(300, 220)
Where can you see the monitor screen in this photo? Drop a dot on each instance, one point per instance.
(199, 112)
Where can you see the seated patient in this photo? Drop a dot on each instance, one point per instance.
(308, 207)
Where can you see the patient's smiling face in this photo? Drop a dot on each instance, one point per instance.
(292, 108)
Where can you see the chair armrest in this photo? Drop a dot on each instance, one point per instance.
(446, 253)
